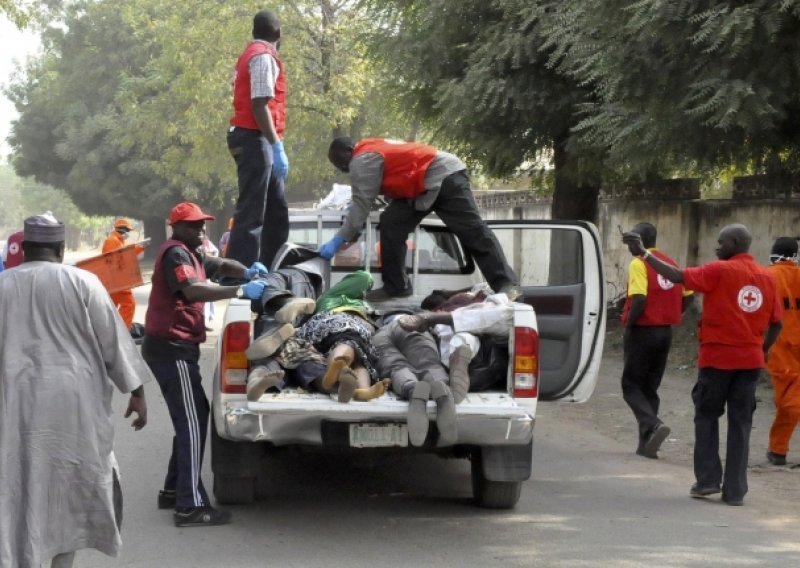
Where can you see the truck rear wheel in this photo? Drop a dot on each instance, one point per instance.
(234, 490)
(492, 494)
(235, 467)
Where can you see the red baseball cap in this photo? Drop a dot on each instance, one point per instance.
(188, 211)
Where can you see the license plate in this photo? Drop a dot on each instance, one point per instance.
(378, 435)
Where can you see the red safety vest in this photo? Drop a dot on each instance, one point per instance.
(14, 257)
(171, 316)
(404, 165)
(664, 299)
(242, 109)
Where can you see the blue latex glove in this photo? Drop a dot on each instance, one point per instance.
(257, 269)
(254, 290)
(280, 163)
(327, 250)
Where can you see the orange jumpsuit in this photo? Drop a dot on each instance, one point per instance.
(784, 358)
(124, 300)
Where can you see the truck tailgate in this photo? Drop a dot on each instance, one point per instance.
(291, 417)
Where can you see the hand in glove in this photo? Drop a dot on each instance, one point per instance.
(257, 269)
(329, 249)
(254, 290)
(280, 163)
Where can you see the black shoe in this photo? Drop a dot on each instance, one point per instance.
(640, 452)
(699, 492)
(654, 441)
(166, 499)
(382, 294)
(731, 501)
(776, 459)
(201, 517)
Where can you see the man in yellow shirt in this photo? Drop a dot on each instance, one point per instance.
(653, 305)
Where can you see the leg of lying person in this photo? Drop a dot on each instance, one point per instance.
(462, 348)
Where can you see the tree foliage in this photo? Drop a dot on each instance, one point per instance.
(128, 106)
(681, 83)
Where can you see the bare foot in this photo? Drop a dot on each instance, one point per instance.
(375, 391)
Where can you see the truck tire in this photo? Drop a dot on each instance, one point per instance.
(234, 490)
(492, 494)
(235, 469)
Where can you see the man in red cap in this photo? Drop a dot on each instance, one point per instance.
(174, 329)
(124, 300)
(255, 140)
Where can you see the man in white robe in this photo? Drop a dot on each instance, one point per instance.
(63, 350)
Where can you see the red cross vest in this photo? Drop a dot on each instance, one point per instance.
(404, 165)
(664, 299)
(14, 257)
(738, 310)
(242, 110)
(171, 316)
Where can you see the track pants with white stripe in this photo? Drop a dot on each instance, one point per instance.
(181, 385)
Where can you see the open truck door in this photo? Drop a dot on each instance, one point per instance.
(560, 269)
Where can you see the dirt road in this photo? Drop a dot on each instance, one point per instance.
(608, 414)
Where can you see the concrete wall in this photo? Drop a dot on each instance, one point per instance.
(687, 229)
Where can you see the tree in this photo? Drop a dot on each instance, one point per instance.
(683, 84)
(181, 103)
(68, 131)
(477, 69)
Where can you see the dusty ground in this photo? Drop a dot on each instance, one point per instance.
(607, 412)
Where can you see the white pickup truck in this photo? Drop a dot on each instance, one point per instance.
(554, 354)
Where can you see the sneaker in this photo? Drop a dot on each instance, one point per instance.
(382, 294)
(166, 499)
(418, 414)
(731, 501)
(262, 378)
(446, 421)
(513, 292)
(699, 492)
(776, 459)
(201, 516)
(654, 441)
(294, 308)
(266, 345)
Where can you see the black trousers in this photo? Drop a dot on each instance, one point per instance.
(645, 351)
(456, 207)
(716, 388)
(182, 387)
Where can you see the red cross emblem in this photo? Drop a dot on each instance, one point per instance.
(750, 298)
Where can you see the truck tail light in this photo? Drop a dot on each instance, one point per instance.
(526, 363)
(233, 361)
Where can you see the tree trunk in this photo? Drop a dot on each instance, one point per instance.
(571, 200)
(155, 228)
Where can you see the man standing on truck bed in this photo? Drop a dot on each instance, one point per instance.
(653, 305)
(419, 180)
(63, 352)
(255, 140)
(741, 319)
(174, 329)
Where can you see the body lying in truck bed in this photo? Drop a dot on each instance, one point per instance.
(554, 349)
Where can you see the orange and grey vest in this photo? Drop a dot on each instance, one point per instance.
(404, 165)
(242, 110)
